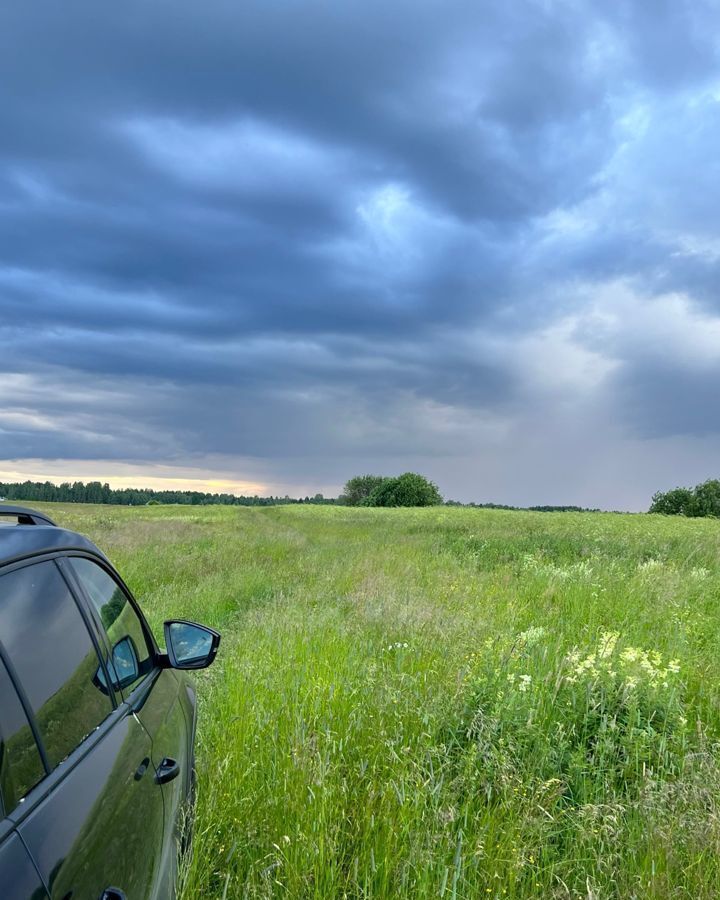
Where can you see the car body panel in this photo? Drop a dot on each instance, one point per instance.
(19, 879)
(102, 825)
(162, 715)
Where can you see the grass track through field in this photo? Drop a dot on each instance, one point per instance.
(444, 702)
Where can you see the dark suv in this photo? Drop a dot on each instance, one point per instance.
(96, 724)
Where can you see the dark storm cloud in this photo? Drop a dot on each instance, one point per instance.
(356, 233)
(662, 401)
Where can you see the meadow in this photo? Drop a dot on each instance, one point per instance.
(445, 702)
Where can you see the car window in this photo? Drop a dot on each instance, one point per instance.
(131, 653)
(49, 645)
(20, 764)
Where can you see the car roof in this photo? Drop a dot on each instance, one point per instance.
(36, 533)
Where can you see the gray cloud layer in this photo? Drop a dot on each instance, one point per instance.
(297, 241)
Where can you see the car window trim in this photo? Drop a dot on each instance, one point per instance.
(6, 828)
(85, 612)
(137, 697)
(93, 624)
(149, 677)
(27, 709)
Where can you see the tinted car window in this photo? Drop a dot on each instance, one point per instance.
(50, 647)
(20, 765)
(131, 654)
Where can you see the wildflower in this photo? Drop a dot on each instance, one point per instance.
(608, 640)
(532, 635)
(525, 681)
(649, 565)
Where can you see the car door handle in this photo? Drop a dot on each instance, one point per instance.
(142, 769)
(167, 770)
(112, 893)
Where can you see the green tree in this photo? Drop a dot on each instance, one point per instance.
(707, 498)
(359, 488)
(702, 500)
(409, 489)
(677, 502)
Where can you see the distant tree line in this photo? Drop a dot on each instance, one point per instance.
(522, 508)
(702, 500)
(409, 489)
(412, 489)
(95, 492)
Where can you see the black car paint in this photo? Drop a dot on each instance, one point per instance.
(18, 875)
(102, 817)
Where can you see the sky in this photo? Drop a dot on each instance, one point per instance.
(265, 246)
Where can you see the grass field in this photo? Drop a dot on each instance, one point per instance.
(445, 702)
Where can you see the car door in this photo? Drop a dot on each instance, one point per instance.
(18, 875)
(158, 704)
(95, 819)
(21, 768)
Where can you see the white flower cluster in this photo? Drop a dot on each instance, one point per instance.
(650, 565)
(577, 571)
(630, 665)
(533, 635)
(399, 645)
(523, 681)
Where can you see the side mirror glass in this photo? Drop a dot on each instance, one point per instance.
(190, 646)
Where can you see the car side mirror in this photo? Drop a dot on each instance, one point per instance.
(190, 646)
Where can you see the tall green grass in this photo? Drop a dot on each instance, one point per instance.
(444, 702)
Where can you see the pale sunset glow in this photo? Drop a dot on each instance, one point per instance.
(119, 475)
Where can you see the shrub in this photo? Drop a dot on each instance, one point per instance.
(702, 500)
(359, 488)
(409, 489)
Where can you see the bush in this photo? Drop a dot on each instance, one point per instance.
(673, 503)
(707, 498)
(702, 500)
(409, 489)
(359, 488)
